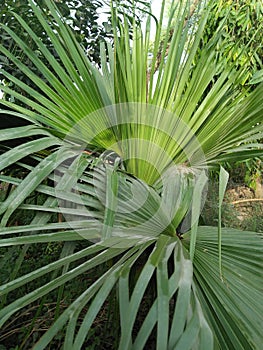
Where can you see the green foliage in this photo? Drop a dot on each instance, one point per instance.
(241, 23)
(82, 17)
(120, 154)
(254, 170)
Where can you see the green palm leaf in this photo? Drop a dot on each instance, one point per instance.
(241, 288)
(119, 154)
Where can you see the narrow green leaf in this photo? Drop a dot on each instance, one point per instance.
(26, 149)
(32, 180)
(9, 310)
(223, 180)
(111, 201)
(22, 131)
(196, 210)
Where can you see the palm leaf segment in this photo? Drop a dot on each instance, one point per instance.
(156, 124)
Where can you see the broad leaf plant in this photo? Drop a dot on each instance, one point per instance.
(119, 154)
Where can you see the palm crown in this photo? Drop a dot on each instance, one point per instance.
(122, 150)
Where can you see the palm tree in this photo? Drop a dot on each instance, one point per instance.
(123, 152)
